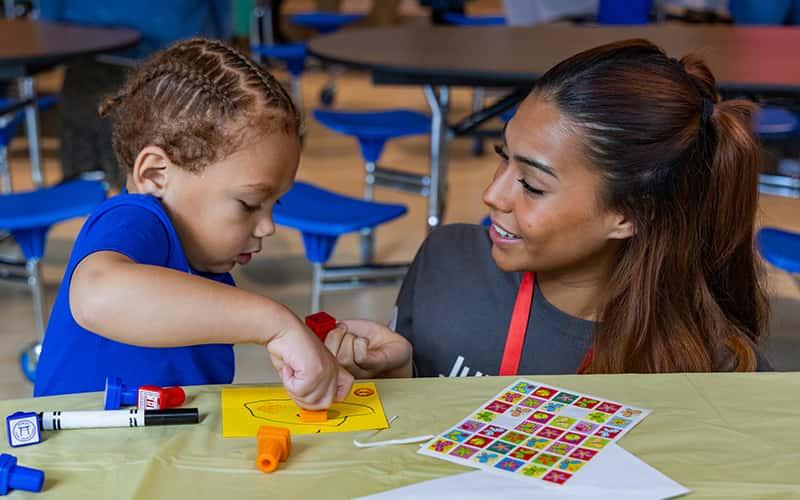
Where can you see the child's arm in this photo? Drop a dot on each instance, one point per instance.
(158, 307)
(368, 350)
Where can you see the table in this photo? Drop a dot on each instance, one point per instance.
(760, 61)
(722, 435)
(28, 47)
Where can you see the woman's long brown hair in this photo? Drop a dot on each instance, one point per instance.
(685, 294)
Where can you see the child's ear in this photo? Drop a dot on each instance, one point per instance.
(151, 171)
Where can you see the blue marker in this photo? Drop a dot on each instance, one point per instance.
(17, 477)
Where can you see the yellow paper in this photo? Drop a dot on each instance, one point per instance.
(245, 409)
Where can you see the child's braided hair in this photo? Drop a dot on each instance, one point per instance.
(198, 100)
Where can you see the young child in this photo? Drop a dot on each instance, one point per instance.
(210, 143)
(623, 213)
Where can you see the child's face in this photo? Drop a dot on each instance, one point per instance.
(222, 213)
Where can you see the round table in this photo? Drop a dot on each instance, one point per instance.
(760, 61)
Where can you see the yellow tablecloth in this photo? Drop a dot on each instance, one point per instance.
(722, 435)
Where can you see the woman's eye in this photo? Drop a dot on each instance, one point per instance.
(529, 188)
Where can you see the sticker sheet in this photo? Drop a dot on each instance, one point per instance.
(536, 431)
(245, 409)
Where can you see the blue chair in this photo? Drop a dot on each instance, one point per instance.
(321, 217)
(781, 249)
(464, 20)
(372, 129)
(628, 12)
(293, 55)
(775, 123)
(28, 216)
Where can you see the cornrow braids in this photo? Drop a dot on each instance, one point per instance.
(199, 100)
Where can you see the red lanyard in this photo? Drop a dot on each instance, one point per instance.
(519, 323)
(515, 339)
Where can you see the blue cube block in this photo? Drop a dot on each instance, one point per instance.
(23, 429)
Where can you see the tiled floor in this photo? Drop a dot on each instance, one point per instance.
(332, 161)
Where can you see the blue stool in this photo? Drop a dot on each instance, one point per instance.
(624, 11)
(12, 113)
(781, 249)
(28, 216)
(325, 22)
(372, 129)
(293, 55)
(464, 20)
(321, 217)
(773, 123)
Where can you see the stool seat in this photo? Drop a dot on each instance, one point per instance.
(293, 54)
(774, 121)
(47, 206)
(322, 216)
(375, 125)
(780, 248)
(8, 105)
(325, 22)
(462, 20)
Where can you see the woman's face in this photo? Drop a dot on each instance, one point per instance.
(545, 201)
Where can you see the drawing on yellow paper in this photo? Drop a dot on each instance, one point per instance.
(245, 409)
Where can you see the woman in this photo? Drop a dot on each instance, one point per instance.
(622, 212)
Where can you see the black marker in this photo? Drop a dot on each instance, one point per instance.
(58, 420)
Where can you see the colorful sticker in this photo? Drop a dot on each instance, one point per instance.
(486, 457)
(485, 416)
(595, 442)
(552, 407)
(570, 465)
(498, 406)
(478, 441)
(572, 438)
(493, 431)
(544, 392)
(514, 437)
(533, 471)
(538, 443)
(597, 417)
(583, 454)
(532, 402)
(565, 397)
(524, 387)
(528, 427)
(519, 411)
(540, 417)
(620, 422)
(608, 432)
(500, 447)
(524, 454)
(441, 446)
(585, 427)
(471, 426)
(464, 452)
(546, 460)
(509, 464)
(560, 448)
(550, 433)
(630, 412)
(457, 435)
(557, 477)
(585, 402)
(511, 397)
(563, 422)
(608, 407)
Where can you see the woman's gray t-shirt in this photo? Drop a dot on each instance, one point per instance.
(455, 306)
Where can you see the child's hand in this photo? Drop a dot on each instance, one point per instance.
(368, 349)
(312, 376)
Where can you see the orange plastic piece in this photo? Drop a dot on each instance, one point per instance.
(313, 415)
(274, 445)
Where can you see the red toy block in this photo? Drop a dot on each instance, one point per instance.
(321, 323)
